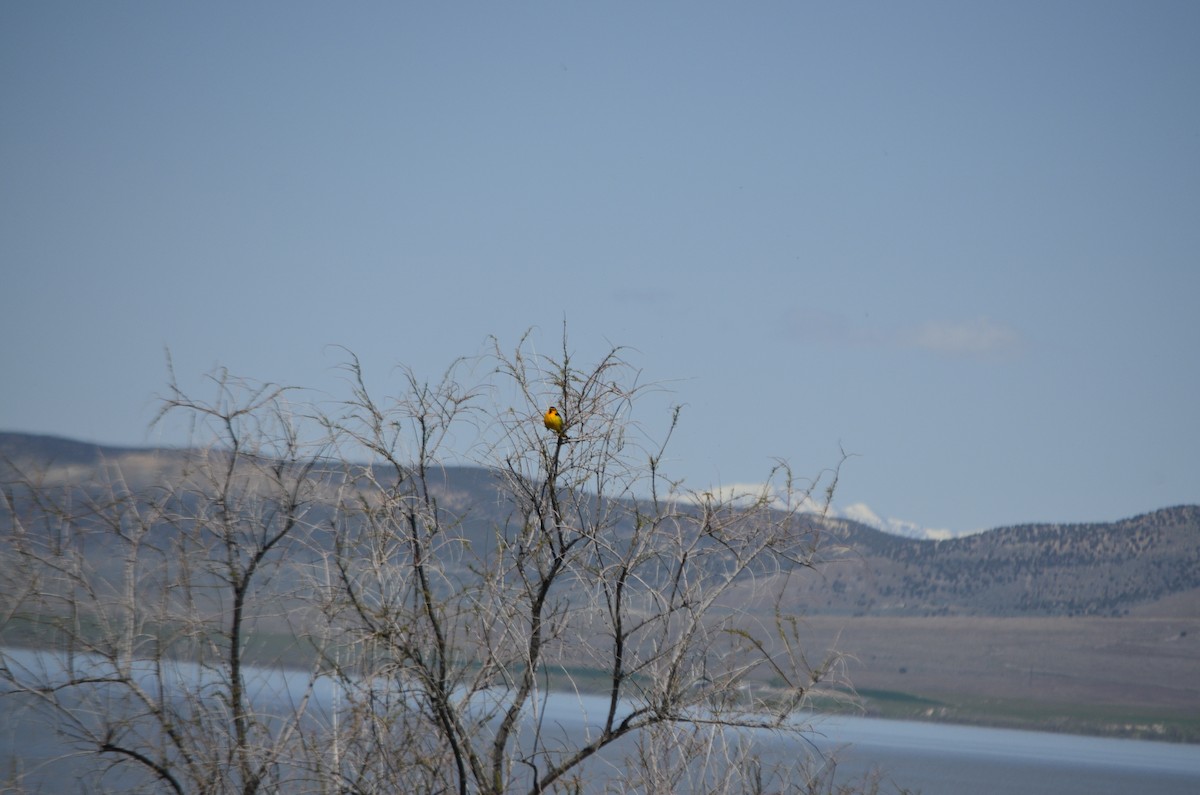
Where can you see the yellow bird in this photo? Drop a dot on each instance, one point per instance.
(554, 421)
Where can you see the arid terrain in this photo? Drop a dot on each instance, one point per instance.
(1085, 628)
(1049, 672)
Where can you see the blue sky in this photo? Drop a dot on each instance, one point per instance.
(960, 240)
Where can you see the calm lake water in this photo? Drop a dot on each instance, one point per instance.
(941, 759)
(935, 759)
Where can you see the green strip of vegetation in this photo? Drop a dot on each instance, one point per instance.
(1090, 719)
(898, 698)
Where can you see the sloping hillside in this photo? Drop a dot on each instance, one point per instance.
(1101, 569)
(1013, 626)
(1105, 569)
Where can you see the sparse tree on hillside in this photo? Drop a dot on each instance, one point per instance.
(438, 638)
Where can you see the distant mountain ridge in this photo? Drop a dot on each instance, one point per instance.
(1097, 569)
(47, 449)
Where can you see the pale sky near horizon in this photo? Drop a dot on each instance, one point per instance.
(959, 240)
